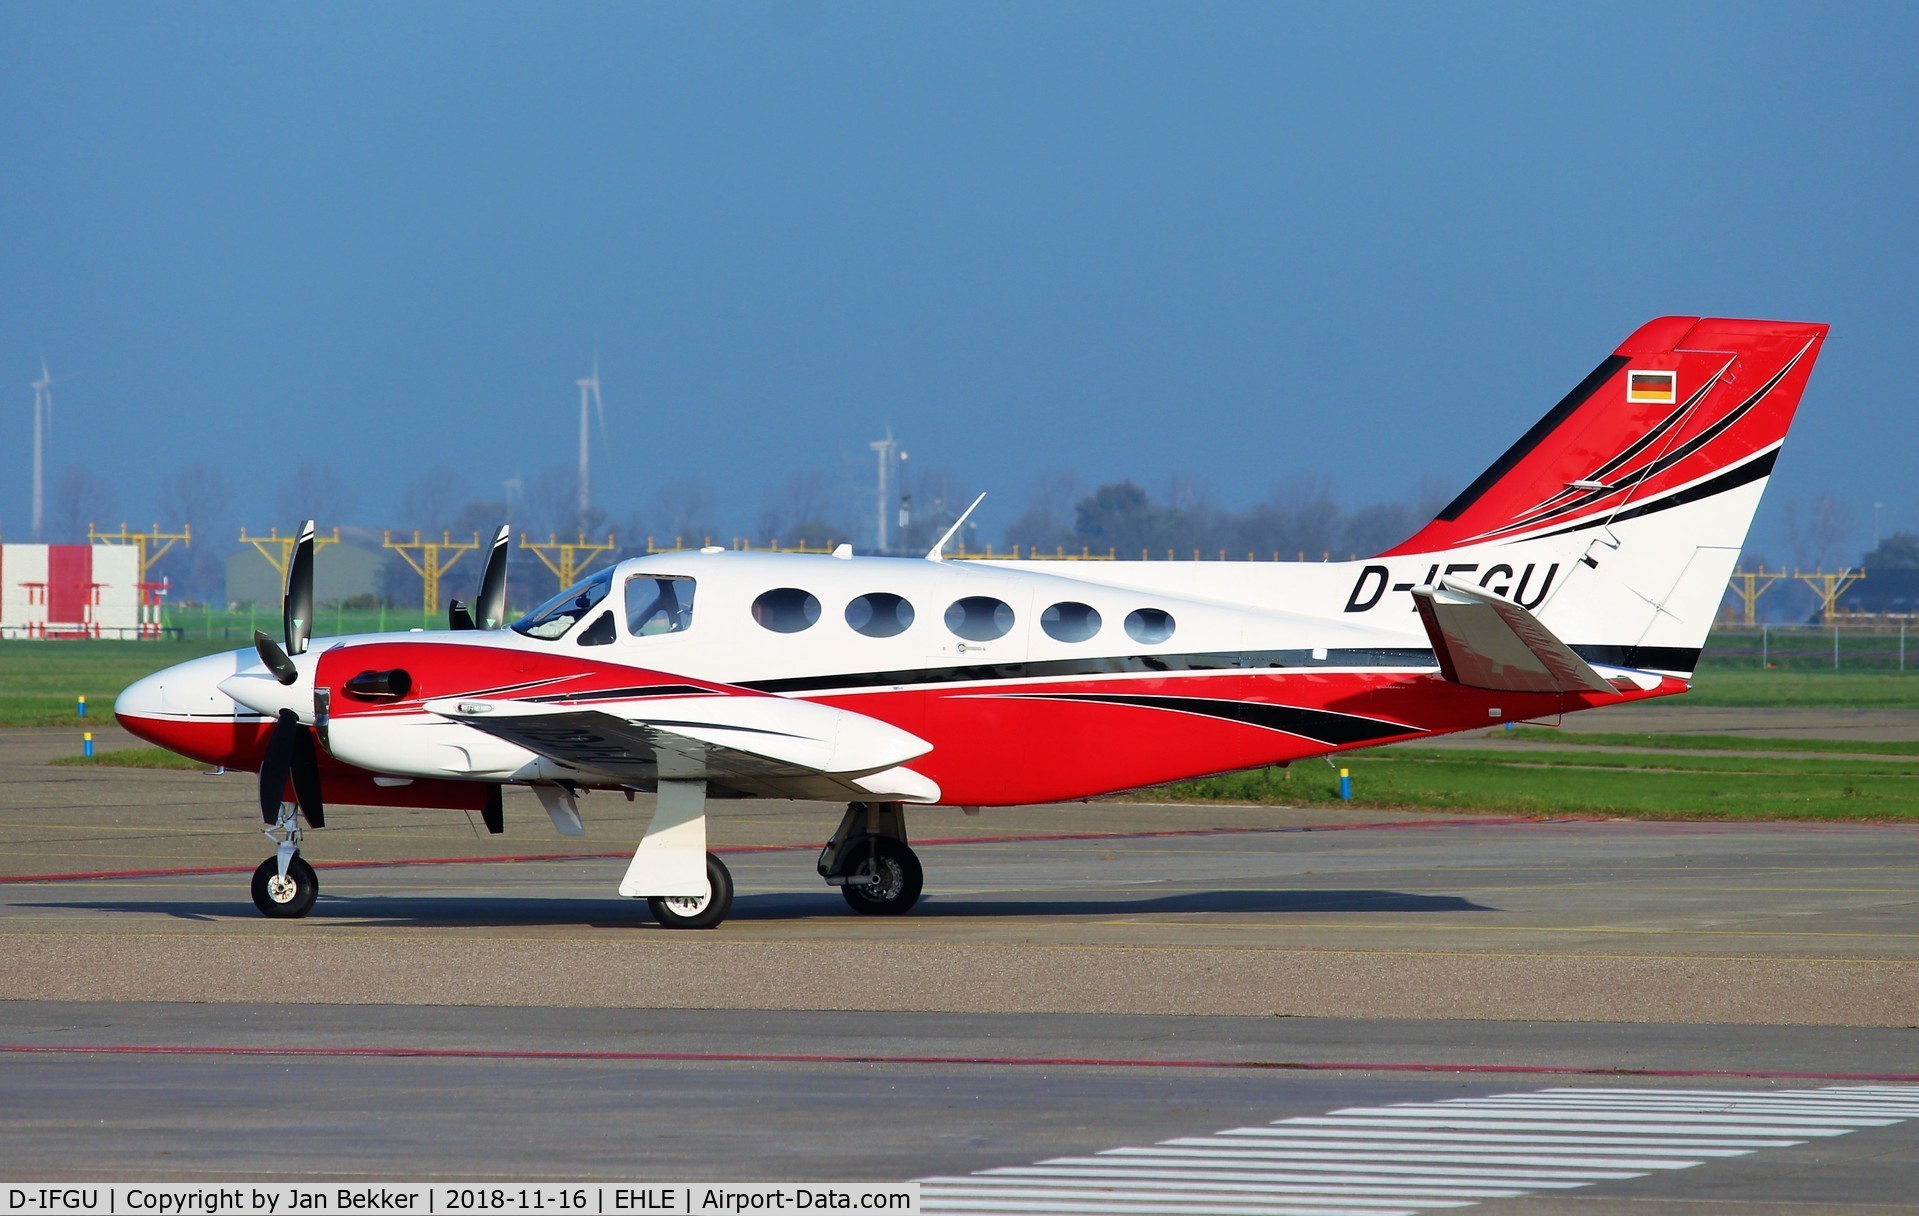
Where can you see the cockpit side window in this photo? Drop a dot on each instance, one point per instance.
(599, 633)
(658, 603)
(559, 614)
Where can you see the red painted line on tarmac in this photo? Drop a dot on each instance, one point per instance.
(182, 871)
(187, 871)
(777, 1057)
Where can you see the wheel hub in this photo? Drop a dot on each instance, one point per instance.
(886, 881)
(688, 905)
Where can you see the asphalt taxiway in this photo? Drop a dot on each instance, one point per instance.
(1079, 980)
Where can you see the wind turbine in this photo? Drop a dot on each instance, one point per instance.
(888, 451)
(590, 386)
(42, 431)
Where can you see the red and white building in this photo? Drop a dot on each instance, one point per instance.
(73, 591)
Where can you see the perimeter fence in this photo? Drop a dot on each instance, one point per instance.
(198, 622)
(1875, 645)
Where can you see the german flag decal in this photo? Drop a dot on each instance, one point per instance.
(1652, 388)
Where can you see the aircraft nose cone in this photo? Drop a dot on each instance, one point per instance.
(144, 698)
(181, 708)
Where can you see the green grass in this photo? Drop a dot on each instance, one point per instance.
(1724, 688)
(1574, 783)
(133, 757)
(1728, 743)
(39, 681)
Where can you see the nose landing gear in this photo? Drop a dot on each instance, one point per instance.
(285, 885)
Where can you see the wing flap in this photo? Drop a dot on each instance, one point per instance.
(760, 746)
(1485, 641)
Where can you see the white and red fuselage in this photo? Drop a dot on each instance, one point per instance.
(1615, 523)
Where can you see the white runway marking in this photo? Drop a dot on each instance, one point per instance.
(1425, 1156)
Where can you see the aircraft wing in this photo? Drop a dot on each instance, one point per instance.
(1485, 641)
(757, 746)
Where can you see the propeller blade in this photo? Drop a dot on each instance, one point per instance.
(276, 659)
(297, 607)
(306, 778)
(277, 764)
(457, 616)
(494, 812)
(489, 611)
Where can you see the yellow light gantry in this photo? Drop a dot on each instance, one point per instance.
(278, 550)
(562, 557)
(429, 564)
(148, 547)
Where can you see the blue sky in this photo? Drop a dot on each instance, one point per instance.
(1229, 244)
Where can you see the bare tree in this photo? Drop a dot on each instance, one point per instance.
(1047, 523)
(1377, 528)
(78, 499)
(683, 510)
(200, 496)
(316, 493)
(550, 505)
(1818, 532)
(1311, 510)
(433, 499)
(802, 509)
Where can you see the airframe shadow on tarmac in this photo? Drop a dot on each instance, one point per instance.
(458, 911)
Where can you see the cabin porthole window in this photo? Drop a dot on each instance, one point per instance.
(786, 610)
(879, 614)
(1149, 626)
(980, 618)
(1070, 621)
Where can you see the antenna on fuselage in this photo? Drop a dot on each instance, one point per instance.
(934, 554)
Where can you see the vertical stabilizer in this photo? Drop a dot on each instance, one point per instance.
(1684, 410)
(1632, 497)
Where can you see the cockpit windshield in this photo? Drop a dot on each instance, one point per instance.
(559, 614)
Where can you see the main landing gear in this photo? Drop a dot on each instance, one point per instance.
(685, 887)
(285, 885)
(869, 860)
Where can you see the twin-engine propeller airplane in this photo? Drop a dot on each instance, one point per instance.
(1581, 570)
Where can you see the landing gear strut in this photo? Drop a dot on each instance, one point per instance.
(685, 887)
(285, 885)
(869, 860)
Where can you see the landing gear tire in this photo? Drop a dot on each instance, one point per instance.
(285, 897)
(697, 911)
(896, 880)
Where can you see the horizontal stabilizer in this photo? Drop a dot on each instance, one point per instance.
(1484, 641)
